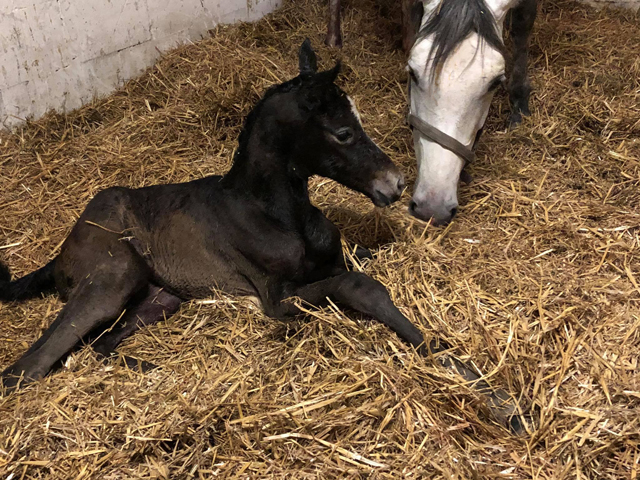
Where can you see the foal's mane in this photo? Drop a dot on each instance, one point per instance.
(453, 21)
(321, 78)
(253, 115)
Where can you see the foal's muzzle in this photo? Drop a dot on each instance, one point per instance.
(387, 188)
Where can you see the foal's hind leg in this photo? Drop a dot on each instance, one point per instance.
(364, 294)
(98, 298)
(156, 305)
(522, 19)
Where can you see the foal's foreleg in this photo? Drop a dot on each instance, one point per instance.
(364, 294)
(522, 19)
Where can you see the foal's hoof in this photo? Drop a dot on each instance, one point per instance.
(5, 276)
(362, 253)
(520, 425)
(18, 376)
(517, 425)
(138, 365)
(9, 383)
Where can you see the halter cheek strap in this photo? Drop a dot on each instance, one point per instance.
(438, 136)
(442, 139)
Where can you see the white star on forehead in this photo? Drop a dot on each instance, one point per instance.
(354, 110)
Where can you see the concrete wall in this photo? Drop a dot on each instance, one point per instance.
(632, 4)
(59, 54)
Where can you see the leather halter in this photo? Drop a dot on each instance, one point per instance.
(438, 136)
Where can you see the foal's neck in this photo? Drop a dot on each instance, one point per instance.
(264, 169)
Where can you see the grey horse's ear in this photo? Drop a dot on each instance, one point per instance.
(307, 60)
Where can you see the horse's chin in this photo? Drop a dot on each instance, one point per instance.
(387, 188)
(381, 200)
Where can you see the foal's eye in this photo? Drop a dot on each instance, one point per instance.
(343, 135)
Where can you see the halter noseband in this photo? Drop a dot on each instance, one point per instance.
(438, 136)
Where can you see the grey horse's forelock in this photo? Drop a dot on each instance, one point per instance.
(453, 21)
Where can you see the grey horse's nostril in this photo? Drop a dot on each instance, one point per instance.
(412, 206)
(454, 211)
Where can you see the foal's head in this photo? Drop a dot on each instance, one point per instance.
(455, 66)
(316, 125)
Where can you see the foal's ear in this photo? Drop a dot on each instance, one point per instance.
(307, 60)
(327, 77)
(333, 73)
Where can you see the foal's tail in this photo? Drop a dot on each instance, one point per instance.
(29, 286)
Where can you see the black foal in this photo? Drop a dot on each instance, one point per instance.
(251, 232)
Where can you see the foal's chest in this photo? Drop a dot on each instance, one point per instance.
(322, 244)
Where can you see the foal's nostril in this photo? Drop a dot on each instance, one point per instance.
(401, 184)
(454, 211)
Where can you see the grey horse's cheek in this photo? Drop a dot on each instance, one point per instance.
(417, 148)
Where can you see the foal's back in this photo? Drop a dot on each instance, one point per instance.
(183, 232)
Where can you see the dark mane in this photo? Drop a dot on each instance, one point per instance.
(453, 21)
(322, 78)
(255, 113)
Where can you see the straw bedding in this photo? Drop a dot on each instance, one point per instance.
(536, 282)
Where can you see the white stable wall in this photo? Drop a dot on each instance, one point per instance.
(59, 54)
(631, 4)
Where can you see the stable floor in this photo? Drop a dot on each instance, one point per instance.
(537, 281)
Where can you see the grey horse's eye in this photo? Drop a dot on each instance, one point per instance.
(413, 76)
(343, 135)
